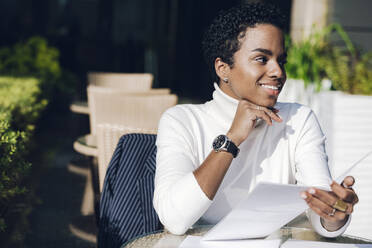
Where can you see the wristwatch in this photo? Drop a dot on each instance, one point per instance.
(223, 143)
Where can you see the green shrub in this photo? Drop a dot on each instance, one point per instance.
(20, 106)
(304, 59)
(21, 98)
(348, 68)
(12, 163)
(318, 57)
(35, 58)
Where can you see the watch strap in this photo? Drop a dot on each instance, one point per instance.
(232, 148)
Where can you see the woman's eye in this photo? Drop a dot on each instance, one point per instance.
(261, 59)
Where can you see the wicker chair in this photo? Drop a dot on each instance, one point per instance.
(108, 136)
(115, 106)
(130, 82)
(126, 81)
(136, 112)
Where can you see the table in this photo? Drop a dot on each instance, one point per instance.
(86, 145)
(298, 229)
(80, 107)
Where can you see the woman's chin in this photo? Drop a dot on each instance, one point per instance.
(270, 103)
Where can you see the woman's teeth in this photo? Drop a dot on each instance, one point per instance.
(270, 86)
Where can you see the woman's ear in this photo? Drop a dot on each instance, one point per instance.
(222, 69)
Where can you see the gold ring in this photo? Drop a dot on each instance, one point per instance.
(340, 205)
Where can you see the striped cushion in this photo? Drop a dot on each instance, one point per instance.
(126, 209)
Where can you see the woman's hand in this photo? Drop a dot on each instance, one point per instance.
(245, 119)
(324, 203)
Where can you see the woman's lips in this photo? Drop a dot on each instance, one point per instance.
(271, 89)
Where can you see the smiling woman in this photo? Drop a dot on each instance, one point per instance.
(210, 156)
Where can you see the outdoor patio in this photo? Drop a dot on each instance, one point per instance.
(77, 75)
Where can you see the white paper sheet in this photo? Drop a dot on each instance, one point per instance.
(267, 208)
(347, 171)
(316, 244)
(197, 242)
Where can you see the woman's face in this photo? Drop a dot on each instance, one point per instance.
(258, 73)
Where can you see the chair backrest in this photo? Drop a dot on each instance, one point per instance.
(126, 209)
(127, 81)
(108, 136)
(137, 110)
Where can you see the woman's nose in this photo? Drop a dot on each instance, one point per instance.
(276, 70)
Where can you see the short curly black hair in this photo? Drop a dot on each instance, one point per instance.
(221, 40)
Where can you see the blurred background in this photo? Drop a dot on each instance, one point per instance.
(161, 37)
(57, 42)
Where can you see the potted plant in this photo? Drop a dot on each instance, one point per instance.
(305, 67)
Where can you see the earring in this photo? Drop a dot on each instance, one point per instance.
(226, 80)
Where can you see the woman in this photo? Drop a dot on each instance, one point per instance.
(278, 142)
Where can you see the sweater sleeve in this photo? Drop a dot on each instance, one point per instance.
(178, 199)
(312, 167)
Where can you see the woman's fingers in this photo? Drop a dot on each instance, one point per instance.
(348, 182)
(272, 113)
(246, 117)
(328, 198)
(331, 205)
(261, 114)
(322, 209)
(345, 194)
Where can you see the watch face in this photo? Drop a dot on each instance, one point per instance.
(219, 141)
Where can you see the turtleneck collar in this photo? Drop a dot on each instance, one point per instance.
(223, 106)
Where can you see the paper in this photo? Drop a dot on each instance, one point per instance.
(267, 208)
(197, 242)
(317, 244)
(346, 173)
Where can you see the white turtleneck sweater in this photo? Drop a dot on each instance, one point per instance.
(288, 152)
